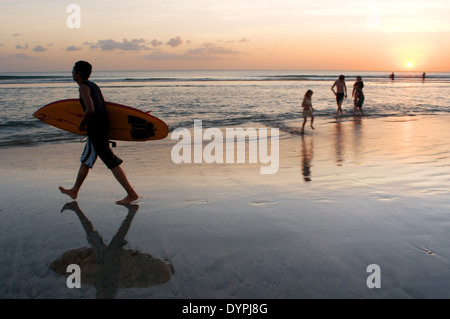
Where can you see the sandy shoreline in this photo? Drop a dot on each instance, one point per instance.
(352, 193)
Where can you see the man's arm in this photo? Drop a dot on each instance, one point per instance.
(332, 88)
(85, 94)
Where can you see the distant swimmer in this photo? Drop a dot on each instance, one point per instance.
(392, 76)
(423, 76)
(358, 95)
(340, 93)
(308, 110)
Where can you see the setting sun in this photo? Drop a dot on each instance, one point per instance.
(409, 64)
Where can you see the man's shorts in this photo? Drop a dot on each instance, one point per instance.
(99, 147)
(340, 97)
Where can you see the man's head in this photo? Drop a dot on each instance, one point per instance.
(83, 69)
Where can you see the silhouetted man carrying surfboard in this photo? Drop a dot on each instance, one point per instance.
(95, 123)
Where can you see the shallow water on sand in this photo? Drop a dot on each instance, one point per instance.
(349, 194)
(218, 98)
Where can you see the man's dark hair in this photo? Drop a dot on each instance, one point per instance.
(84, 68)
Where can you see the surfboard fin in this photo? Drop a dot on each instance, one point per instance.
(140, 128)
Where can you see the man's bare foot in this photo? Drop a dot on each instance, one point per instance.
(312, 127)
(70, 192)
(127, 200)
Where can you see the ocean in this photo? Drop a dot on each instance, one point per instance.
(353, 194)
(218, 98)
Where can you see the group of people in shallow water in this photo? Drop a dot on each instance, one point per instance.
(340, 93)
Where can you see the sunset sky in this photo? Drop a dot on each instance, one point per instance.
(49, 35)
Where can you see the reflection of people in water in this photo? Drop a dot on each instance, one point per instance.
(112, 267)
(340, 150)
(307, 155)
(357, 137)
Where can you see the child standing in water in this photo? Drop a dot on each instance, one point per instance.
(307, 110)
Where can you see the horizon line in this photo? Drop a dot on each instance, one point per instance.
(232, 70)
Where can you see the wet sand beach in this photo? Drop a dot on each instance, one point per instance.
(354, 192)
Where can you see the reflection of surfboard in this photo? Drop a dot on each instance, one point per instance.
(126, 123)
(132, 268)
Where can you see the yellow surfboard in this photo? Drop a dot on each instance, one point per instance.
(125, 123)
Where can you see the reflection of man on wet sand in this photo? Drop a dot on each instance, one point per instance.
(112, 267)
